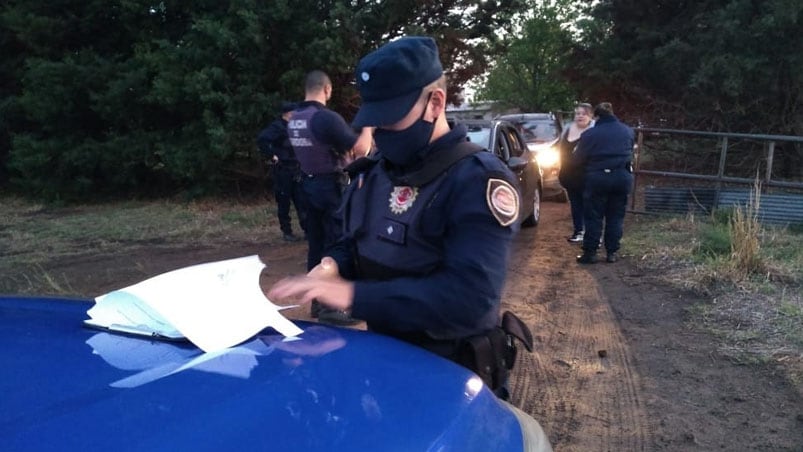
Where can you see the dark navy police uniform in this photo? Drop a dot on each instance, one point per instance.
(427, 226)
(273, 141)
(320, 139)
(605, 153)
(429, 261)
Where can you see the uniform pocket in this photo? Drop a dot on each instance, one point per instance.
(393, 231)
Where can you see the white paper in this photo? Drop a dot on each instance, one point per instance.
(215, 305)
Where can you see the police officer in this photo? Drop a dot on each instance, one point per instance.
(428, 218)
(322, 140)
(275, 146)
(605, 154)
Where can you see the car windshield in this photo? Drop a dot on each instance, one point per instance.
(537, 131)
(479, 135)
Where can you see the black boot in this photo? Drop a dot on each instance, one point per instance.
(588, 257)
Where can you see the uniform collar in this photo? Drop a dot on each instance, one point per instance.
(310, 103)
(606, 118)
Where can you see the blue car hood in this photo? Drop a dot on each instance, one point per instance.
(67, 387)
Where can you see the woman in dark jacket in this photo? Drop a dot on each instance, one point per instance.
(571, 176)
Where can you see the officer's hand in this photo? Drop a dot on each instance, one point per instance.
(322, 283)
(327, 268)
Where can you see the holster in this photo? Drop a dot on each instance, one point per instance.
(492, 355)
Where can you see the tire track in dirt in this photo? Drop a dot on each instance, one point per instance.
(580, 382)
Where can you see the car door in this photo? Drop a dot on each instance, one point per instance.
(500, 145)
(508, 143)
(529, 176)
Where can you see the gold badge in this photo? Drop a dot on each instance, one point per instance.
(402, 198)
(503, 201)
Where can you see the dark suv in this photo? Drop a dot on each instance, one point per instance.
(541, 132)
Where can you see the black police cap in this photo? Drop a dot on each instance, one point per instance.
(391, 78)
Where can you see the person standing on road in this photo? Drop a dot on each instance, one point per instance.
(571, 176)
(322, 140)
(605, 153)
(274, 144)
(428, 223)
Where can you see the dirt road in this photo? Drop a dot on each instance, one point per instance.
(616, 369)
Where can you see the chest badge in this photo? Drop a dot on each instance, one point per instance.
(402, 198)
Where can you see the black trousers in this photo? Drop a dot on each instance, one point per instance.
(322, 196)
(604, 206)
(287, 190)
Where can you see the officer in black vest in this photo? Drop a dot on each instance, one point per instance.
(274, 144)
(428, 222)
(322, 142)
(604, 152)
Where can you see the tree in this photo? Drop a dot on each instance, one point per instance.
(529, 76)
(724, 65)
(122, 97)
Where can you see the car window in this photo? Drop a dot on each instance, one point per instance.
(538, 131)
(479, 135)
(516, 145)
(501, 149)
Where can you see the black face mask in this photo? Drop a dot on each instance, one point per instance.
(401, 147)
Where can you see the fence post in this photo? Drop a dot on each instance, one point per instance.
(770, 157)
(723, 154)
(640, 143)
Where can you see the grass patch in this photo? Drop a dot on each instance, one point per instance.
(751, 274)
(32, 234)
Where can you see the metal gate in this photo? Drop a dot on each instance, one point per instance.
(678, 171)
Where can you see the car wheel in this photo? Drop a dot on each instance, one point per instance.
(534, 217)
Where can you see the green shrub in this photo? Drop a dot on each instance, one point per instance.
(715, 240)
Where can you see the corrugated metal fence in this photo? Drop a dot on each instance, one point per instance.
(701, 179)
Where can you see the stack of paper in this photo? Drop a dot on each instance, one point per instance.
(215, 305)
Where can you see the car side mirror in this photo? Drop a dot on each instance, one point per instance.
(517, 164)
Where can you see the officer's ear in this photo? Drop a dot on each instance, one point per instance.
(437, 103)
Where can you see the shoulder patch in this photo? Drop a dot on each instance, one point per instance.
(503, 201)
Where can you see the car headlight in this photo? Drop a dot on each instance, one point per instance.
(547, 157)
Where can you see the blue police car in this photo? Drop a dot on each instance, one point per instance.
(68, 387)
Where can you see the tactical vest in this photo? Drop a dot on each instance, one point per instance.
(395, 231)
(398, 231)
(314, 156)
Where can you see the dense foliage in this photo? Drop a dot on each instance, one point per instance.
(139, 97)
(142, 97)
(723, 65)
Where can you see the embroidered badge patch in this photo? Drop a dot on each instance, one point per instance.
(503, 200)
(402, 198)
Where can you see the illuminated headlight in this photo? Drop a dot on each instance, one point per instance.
(547, 157)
